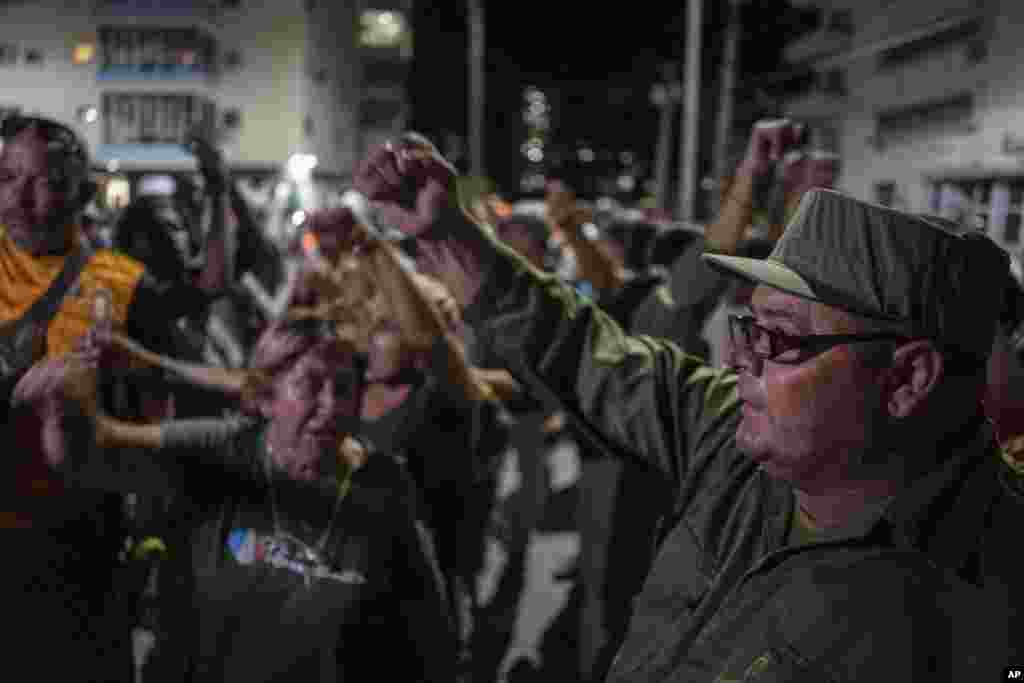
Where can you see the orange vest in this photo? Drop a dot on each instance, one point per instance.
(23, 279)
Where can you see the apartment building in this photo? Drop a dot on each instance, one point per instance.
(290, 89)
(925, 103)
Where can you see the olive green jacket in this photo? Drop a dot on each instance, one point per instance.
(917, 591)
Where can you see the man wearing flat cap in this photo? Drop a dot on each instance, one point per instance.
(841, 510)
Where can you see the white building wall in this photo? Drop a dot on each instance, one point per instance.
(996, 82)
(281, 45)
(56, 88)
(269, 89)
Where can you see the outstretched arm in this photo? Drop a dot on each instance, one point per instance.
(642, 395)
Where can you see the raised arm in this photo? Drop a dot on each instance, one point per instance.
(645, 396)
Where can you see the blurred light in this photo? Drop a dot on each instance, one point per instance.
(534, 96)
(83, 53)
(298, 218)
(586, 155)
(535, 154)
(157, 185)
(300, 166)
(310, 243)
(117, 193)
(589, 231)
(282, 191)
(113, 165)
(382, 28)
(87, 114)
(627, 183)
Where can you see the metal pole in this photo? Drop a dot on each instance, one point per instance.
(730, 59)
(476, 87)
(691, 113)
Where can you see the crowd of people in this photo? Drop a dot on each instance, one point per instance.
(785, 446)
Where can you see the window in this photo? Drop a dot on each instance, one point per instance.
(952, 114)
(155, 49)
(885, 193)
(384, 72)
(840, 21)
(232, 118)
(379, 112)
(232, 59)
(992, 205)
(134, 118)
(942, 40)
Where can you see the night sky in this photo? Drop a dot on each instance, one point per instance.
(597, 67)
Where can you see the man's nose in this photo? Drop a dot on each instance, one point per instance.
(741, 359)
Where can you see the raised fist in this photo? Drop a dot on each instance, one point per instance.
(409, 182)
(769, 143)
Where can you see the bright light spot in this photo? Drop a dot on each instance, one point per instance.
(298, 218)
(113, 165)
(589, 231)
(118, 193)
(158, 185)
(310, 243)
(300, 166)
(282, 191)
(83, 53)
(586, 155)
(535, 154)
(382, 28)
(627, 183)
(92, 114)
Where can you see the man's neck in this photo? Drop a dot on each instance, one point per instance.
(55, 247)
(836, 508)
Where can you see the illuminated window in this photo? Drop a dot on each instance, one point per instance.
(83, 53)
(385, 29)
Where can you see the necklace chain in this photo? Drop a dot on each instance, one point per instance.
(344, 485)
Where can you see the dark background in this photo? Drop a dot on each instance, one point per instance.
(597, 67)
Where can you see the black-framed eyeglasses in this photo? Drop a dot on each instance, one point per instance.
(764, 343)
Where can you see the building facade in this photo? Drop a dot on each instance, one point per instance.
(287, 88)
(925, 104)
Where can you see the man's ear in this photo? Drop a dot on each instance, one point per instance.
(917, 368)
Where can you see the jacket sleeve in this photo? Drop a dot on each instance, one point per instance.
(642, 395)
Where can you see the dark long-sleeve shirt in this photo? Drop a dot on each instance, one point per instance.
(258, 609)
(918, 590)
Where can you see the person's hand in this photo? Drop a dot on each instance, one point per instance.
(409, 182)
(52, 391)
(769, 142)
(336, 231)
